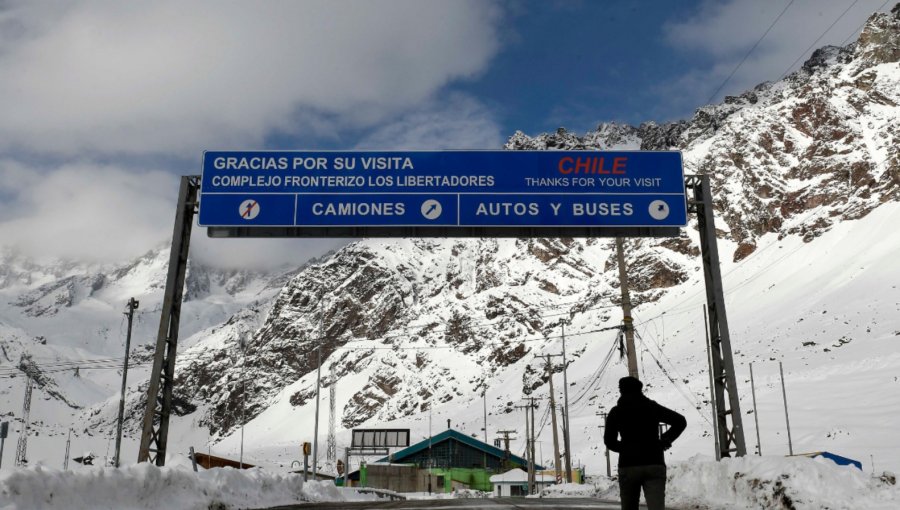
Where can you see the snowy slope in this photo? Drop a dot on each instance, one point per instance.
(69, 317)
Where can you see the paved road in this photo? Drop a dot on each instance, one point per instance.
(455, 504)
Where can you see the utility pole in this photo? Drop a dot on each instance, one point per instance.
(533, 441)
(626, 310)
(132, 306)
(608, 466)
(242, 344)
(484, 400)
(786, 418)
(331, 446)
(506, 438)
(527, 443)
(318, 386)
(566, 423)
(755, 412)
(4, 430)
(26, 415)
(556, 458)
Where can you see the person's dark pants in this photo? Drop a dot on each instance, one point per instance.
(651, 478)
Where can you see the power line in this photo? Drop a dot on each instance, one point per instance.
(833, 23)
(665, 372)
(714, 94)
(844, 42)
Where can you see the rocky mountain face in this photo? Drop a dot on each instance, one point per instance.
(472, 301)
(825, 139)
(428, 321)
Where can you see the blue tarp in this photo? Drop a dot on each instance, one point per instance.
(837, 459)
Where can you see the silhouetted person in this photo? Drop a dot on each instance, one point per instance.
(632, 430)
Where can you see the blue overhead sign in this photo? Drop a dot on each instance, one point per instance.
(442, 189)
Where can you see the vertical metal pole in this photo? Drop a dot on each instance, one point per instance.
(755, 412)
(484, 400)
(242, 344)
(626, 310)
(430, 458)
(528, 447)
(787, 420)
(315, 467)
(566, 423)
(556, 459)
(4, 431)
(193, 459)
(68, 444)
(346, 467)
(132, 304)
(608, 465)
(712, 388)
(533, 439)
(154, 437)
(720, 339)
(318, 388)
(22, 444)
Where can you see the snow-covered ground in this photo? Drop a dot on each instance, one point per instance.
(145, 486)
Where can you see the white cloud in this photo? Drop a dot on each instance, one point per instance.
(176, 77)
(107, 213)
(459, 122)
(88, 81)
(85, 211)
(722, 33)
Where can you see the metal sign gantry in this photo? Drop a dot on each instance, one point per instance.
(730, 436)
(154, 436)
(729, 426)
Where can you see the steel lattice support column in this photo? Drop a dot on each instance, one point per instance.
(154, 436)
(731, 437)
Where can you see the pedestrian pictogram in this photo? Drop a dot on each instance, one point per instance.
(659, 210)
(431, 209)
(249, 209)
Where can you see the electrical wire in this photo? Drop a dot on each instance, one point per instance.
(833, 23)
(844, 42)
(693, 403)
(714, 94)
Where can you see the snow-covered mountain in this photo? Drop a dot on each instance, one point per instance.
(64, 323)
(806, 177)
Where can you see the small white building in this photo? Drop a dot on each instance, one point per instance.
(515, 483)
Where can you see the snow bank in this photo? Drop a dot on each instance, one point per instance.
(796, 483)
(776, 483)
(597, 487)
(145, 486)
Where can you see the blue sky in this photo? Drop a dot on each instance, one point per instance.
(105, 103)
